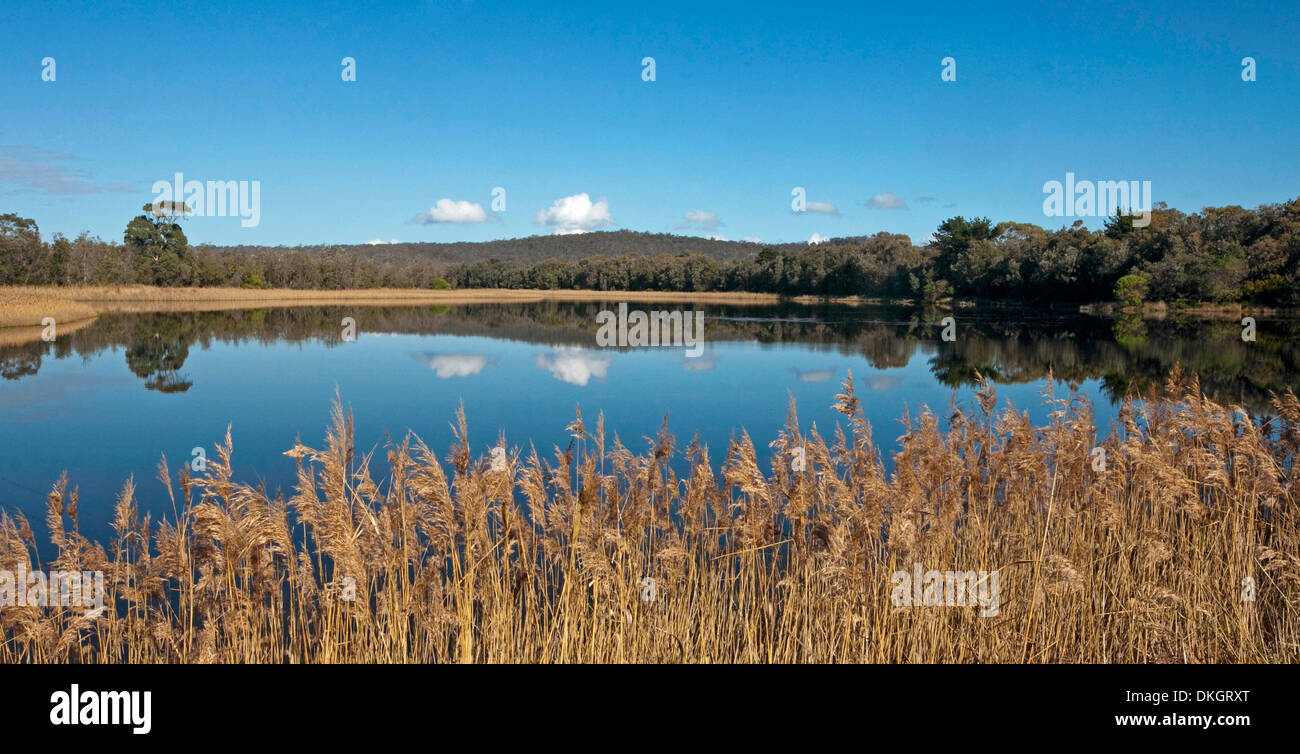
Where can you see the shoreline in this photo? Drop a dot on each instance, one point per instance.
(106, 298)
(26, 306)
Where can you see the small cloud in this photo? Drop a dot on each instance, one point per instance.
(926, 200)
(752, 239)
(814, 375)
(453, 211)
(36, 169)
(815, 239)
(716, 237)
(575, 366)
(457, 364)
(887, 201)
(882, 382)
(825, 208)
(698, 219)
(380, 242)
(575, 214)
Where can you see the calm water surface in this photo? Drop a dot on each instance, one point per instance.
(107, 401)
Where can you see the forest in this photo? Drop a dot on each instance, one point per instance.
(1220, 255)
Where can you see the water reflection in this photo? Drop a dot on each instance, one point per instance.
(158, 357)
(576, 366)
(814, 375)
(1007, 346)
(448, 365)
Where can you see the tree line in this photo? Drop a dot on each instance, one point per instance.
(155, 251)
(1220, 254)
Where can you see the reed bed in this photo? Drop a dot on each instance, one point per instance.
(115, 298)
(543, 558)
(21, 336)
(23, 308)
(27, 307)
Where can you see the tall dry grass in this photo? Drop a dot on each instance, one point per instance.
(543, 561)
(114, 298)
(22, 308)
(26, 307)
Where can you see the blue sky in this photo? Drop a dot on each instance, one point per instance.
(547, 101)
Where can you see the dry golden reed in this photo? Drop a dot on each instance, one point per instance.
(546, 559)
(24, 308)
(27, 308)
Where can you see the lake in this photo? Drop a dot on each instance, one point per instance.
(107, 401)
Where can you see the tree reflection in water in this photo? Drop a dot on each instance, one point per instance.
(158, 357)
(1007, 345)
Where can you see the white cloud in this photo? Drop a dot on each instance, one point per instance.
(699, 219)
(575, 214)
(883, 382)
(453, 211)
(814, 375)
(36, 169)
(887, 201)
(816, 238)
(457, 364)
(574, 365)
(716, 237)
(826, 208)
(752, 239)
(380, 242)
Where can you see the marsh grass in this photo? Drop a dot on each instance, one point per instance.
(24, 308)
(543, 561)
(119, 298)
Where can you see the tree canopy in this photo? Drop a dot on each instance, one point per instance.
(1221, 254)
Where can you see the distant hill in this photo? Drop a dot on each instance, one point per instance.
(1220, 255)
(534, 249)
